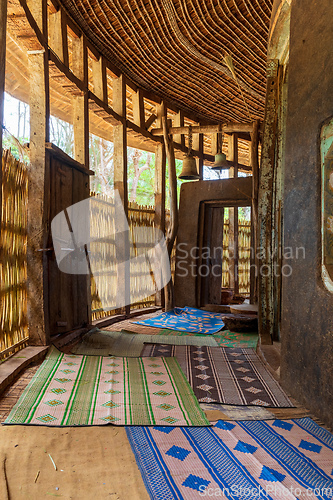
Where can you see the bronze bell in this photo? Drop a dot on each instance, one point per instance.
(189, 170)
(220, 162)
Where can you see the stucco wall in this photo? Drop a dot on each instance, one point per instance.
(192, 194)
(307, 307)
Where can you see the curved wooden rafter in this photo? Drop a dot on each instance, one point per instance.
(176, 49)
(62, 77)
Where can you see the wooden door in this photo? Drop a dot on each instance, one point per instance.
(68, 295)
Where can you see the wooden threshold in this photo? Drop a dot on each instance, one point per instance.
(110, 320)
(13, 366)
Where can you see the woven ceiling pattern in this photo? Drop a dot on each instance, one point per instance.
(207, 56)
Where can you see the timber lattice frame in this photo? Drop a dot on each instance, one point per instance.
(94, 79)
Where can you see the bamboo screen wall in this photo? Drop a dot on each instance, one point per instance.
(13, 250)
(244, 249)
(138, 217)
(141, 216)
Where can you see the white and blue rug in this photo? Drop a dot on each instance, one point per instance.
(243, 460)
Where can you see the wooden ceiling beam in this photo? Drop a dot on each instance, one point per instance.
(208, 129)
(150, 121)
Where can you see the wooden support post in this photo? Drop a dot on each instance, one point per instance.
(81, 129)
(58, 35)
(198, 146)
(38, 9)
(233, 217)
(160, 170)
(138, 109)
(120, 140)
(80, 61)
(173, 226)
(120, 185)
(38, 188)
(178, 121)
(214, 144)
(235, 153)
(80, 103)
(81, 152)
(100, 79)
(265, 205)
(3, 25)
(254, 213)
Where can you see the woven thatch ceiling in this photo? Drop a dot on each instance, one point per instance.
(207, 56)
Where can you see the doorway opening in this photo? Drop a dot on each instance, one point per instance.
(225, 272)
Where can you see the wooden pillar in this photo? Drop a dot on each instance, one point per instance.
(81, 129)
(173, 226)
(58, 35)
(138, 109)
(38, 187)
(100, 79)
(3, 26)
(81, 154)
(120, 185)
(265, 206)
(233, 216)
(178, 121)
(80, 103)
(160, 171)
(254, 212)
(214, 144)
(198, 146)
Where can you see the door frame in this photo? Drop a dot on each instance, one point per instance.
(204, 205)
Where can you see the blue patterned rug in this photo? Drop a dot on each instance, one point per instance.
(187, 319)
(271, 460)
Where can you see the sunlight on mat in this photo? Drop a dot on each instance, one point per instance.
(106, 343)
(92, 390)
(224, 338)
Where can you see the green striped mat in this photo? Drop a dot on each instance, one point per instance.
(224, 338)
(70, 390)
(105, 343)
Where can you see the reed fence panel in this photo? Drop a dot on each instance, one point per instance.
(244, 253)
(13, 256)
(104, 295)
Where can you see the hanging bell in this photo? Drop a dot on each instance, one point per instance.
(220, 162)
(189, 170)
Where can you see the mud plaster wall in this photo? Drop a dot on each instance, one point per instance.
(192, 194)
(307, 307)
